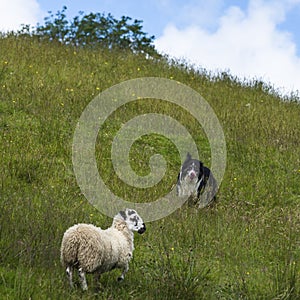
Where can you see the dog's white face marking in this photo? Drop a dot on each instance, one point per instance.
(192, 172)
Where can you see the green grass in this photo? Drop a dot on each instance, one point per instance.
(245, 247)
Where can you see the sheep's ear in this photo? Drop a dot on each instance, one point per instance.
(123, 214)
(130, 212)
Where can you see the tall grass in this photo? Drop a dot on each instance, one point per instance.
(245, 247)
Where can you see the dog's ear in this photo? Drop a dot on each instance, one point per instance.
(188, 157)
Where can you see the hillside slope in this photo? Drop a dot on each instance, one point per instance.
(245, 247)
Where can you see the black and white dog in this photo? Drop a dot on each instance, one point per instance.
(195, 180)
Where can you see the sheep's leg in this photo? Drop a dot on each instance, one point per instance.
(125, 270)
(97, 280)
(69, 271)
(97, 277)
(82, 279)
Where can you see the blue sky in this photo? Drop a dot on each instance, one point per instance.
(257, 39)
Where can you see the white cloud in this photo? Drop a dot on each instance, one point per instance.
(201, 12)
(13, 13)
(247, 43)
(197, 12)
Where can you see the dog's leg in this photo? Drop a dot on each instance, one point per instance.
(179, 191)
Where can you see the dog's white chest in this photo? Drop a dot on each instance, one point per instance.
(188, 188)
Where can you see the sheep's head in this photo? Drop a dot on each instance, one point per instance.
(133, 220)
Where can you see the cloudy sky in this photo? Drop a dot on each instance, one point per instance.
(255, 39)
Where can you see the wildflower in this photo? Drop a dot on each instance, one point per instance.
(97, 88)
(138, 69)
(171, 77)
(172, 249)
(235, 179)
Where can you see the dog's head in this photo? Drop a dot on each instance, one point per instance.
(191, 170)
(133, 220)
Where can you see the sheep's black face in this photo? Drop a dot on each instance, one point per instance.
(133, 220)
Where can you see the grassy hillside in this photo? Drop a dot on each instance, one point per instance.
(245, 247)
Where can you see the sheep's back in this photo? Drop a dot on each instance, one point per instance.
(93, 248)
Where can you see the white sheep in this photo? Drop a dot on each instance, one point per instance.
(92, 250)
